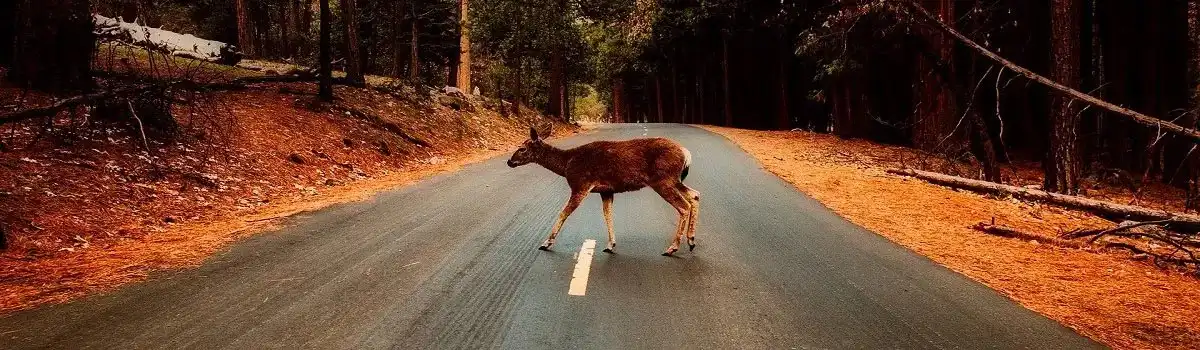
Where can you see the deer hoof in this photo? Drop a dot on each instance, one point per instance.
(608, 250)
(669, 252)
(691, 244)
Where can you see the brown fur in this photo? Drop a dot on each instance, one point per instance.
(609, 167)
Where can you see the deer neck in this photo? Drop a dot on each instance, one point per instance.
(554, 159)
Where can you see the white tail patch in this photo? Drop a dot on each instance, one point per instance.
(687, 156)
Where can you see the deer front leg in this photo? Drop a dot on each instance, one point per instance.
(572, 203)
(612, 238)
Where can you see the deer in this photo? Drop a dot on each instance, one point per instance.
(611, 167)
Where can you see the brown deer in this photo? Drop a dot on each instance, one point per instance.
(610, 167)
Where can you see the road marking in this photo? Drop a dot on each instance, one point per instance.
(583, 266)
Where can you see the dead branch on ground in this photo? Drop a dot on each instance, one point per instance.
(1113, 211)
(1009, 232)
(1169, 237)
(1163, 244)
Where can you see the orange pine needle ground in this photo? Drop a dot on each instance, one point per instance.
(1107, 296)
(99, 212)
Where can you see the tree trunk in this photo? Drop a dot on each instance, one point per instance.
(245, 29)
(1193, 159)
(325, 86)
(676, 111)
(700, 98)
(519, 96)
(554, 90)
(725, 79)
(464, 48)
(397, 44)
(658, 97)
(8, 22)
(414, 71)
(843, 111)
(1062, 164)
(354, 72)
(782, 119)
(294, 31)
(933, 123)
(53, 46)
(564, 91)
(616, 102)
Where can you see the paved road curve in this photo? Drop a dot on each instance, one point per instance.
(451, 263)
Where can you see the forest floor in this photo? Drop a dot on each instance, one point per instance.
(1108, 296)
(86, 207)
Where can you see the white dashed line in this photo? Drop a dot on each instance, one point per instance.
(583, 266)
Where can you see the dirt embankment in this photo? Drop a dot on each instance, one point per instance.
(87, 208)
(1108, 296)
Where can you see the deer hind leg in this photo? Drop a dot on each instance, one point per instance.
(608, 221)
(577, 197)
(693, 197)
(683, 206)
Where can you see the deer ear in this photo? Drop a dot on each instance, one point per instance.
(533, 134)
(546, 131)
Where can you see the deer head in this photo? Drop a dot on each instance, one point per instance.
(533, 148)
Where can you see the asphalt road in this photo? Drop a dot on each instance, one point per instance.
(452, 263)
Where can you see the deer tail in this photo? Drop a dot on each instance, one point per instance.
(687, 163)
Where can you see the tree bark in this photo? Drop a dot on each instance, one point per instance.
(554, 92)
(520, 91)
(414, 71)
(934, 118)
(1110, 210)
(53, 45)
(843, 111)
(1193, 159)
(8, 22)
(354, 71)
(1062, 164)
(725, 80)
(245, 28)
(617, 91)
(325, 86)
(658, 97)
(464, 48)
(676, 111)
(294, 31)
(397, 43)
(700, 99)
(782, 119)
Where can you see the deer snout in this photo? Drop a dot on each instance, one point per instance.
(513, 163)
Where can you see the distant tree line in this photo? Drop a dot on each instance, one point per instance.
(864, 69)
(856, 68)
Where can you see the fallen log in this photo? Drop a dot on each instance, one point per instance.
(1110, 210)
(178, 44)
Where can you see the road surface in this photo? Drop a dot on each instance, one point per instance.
(452, 262)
